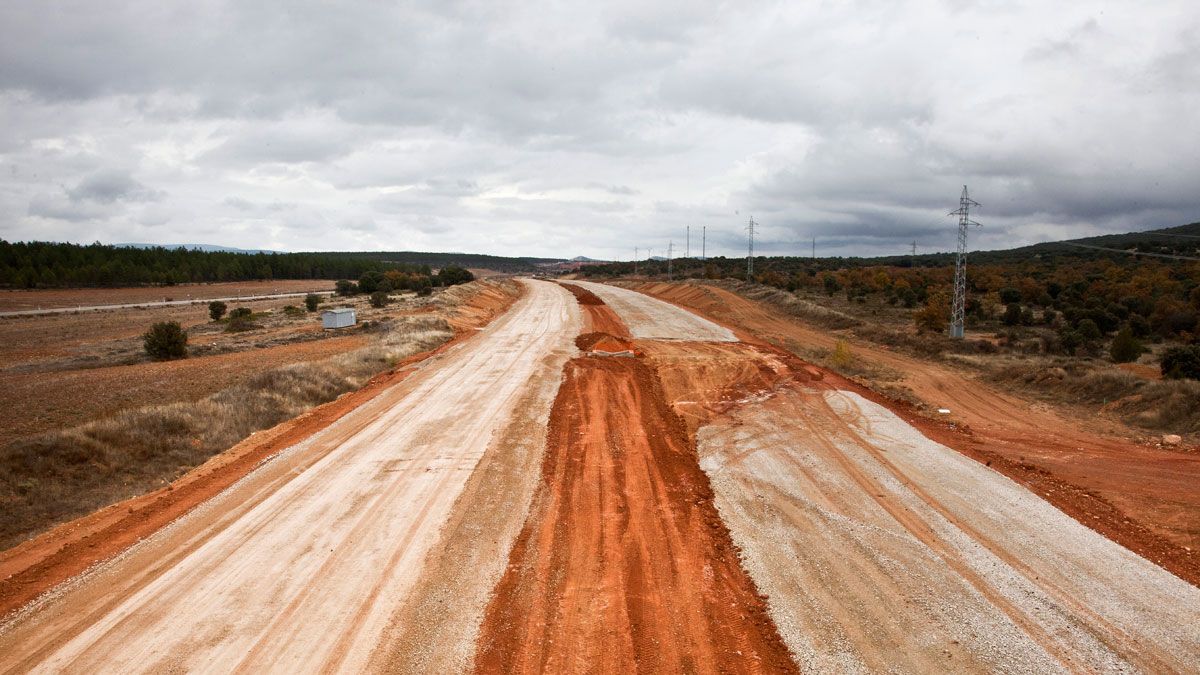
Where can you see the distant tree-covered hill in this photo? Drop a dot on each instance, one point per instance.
(49, 264)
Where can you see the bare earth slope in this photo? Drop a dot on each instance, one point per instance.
(880, 549)
(302, 565)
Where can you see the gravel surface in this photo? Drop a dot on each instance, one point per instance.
(882, 550)
(304, 571)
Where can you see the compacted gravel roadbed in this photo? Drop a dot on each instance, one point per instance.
(302, 564)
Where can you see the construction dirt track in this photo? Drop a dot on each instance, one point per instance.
(604, 482)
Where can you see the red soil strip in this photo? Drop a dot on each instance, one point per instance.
(47, 560)
(1081, 474)
(624, 560)
(600, 317)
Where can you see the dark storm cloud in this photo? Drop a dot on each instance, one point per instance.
(588, 128)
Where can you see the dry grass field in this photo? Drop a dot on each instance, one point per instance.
(89, 419)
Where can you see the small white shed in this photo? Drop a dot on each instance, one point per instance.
(339, 317)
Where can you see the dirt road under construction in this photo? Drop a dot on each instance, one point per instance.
(599, 481)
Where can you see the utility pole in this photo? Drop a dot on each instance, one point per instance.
(703, 242)
(958, 310)
(814, 252)
(635, 260)
(914, 247)
(750, 250)
(670, 249)
(687, 247)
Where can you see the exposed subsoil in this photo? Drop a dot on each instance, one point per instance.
(1144, 498)
(881, 550)
(43, 562)
(624, 560)
(599, 316)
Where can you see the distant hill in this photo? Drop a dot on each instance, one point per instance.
(468, 260)
(207, 248)
(1183, 240)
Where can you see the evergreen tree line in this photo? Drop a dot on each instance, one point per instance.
(50, 265)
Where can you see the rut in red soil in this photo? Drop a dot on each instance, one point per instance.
(624, 560)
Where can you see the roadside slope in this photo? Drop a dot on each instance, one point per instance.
(302, 564)
(880, 548)
(1141, 497)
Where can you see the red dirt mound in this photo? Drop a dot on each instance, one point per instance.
(600, 317)
(624, 560)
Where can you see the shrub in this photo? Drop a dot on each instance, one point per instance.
(292, 310)
(216, 310)
(379, 298)
(1125, 347)
(240, 319)
(345, 287)
(1010, 295)
(311, 301)
(1181, 362)
(934, 316)
(1012, 314)
(425, 290)
(452, 275)
(165, 340)
(369, 282)
(842, 356)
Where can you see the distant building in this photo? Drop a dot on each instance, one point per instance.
(340, 317)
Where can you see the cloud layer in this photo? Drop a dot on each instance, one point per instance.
(591, 128)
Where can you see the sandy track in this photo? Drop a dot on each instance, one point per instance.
(880, 549)
(648, 318)
(302, 565)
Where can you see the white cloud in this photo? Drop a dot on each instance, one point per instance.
(585, 128)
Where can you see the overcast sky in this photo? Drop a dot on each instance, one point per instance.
(588, 128)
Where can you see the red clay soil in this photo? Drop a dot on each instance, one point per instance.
(1141, 497)
(600, 317)
(624, 560)
(43, 562)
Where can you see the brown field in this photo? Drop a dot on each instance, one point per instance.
(49, 298)
(89, 419)
(64, 369)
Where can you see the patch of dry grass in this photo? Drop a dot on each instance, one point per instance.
(1170, 406)
(60, 475)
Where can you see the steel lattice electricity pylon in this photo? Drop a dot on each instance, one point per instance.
(958, 310)
(750, 250)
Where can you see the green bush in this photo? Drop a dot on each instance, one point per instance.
(451, 275)
(311, 301)
(165, 340)
(1178, 363)
(425, 290)
(216, 310)
(240, 319)
(1125, 347)
(379, 298)
(292, 310)
(345, 287)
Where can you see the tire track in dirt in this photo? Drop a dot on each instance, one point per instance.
(624, 561)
